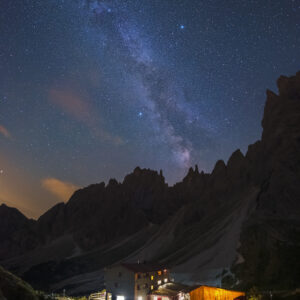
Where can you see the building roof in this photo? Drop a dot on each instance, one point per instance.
(214, 288)
(171, 289)
(143, 267)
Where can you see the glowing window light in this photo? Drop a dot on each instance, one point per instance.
(120, 298)
(166, 280)
(159, 282)
(152, 287)
(140, 298)
(152, 277)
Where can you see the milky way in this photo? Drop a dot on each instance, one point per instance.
(91, 89)
(155, 94)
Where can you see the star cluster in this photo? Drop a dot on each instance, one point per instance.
(90, 89)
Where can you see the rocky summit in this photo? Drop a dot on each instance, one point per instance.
(238, 226)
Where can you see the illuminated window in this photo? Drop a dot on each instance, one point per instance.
(159, 272)
(152, 277)
(152, 287)
(140, 298)
(166, 280)
(120, 298)
(159, 282)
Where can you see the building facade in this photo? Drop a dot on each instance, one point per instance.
(171, 291)
(134, 281)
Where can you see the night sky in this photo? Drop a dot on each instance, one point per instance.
(91, 89)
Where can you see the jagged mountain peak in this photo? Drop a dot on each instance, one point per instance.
(236, 157)
(143, 177)
(12, 214)
(6, 208)
(281, 113)
(219, 169)
(289, 87)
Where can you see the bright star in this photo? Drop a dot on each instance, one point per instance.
(182, 26)
(140, 114)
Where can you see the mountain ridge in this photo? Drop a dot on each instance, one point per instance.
(210, 228)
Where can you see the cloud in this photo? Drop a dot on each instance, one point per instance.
(78, 107)
(72, 104)
(18, 187)
(62, 189)
(5, 132)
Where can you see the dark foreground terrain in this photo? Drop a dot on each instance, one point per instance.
(239, 225)
(14, 288)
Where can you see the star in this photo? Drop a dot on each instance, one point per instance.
(110, 73)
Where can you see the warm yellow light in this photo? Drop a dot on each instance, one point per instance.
(152, 277)
(152, 287)
(159, 282)
(212, 293)
(159, 272)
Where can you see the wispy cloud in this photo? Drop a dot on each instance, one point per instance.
(61, 189)
(4, 131)
(72, 104)
(79, 108)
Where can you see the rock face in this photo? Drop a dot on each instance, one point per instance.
(99, 214)
(270, 240)
(17, 233)
(244, 216)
